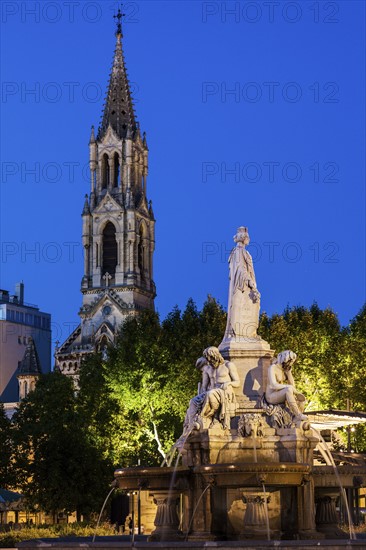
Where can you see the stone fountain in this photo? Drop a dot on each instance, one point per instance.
(247, 448)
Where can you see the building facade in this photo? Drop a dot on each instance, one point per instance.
(118, 225)
(21, 325)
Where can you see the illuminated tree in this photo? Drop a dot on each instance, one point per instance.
(58, 467)
(136, 399)
(7, 474)
(315, 335)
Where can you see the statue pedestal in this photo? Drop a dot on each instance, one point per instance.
(252, 357)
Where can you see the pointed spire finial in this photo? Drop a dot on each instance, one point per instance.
(86, 209)
(118, 107)
(92, 135)
(118, 18)
(151, 211)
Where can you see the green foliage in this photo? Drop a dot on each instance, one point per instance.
(141, 392)
(58, 467)
(313, 334)
(353, 373)
(7, 473)
(99, 409)
(356, 360)
(331, 365)
(11, 538)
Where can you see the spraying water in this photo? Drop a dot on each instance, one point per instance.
(114, 485)
(263, 487)
(255, 448)
(266, 509)
(327, 455)
(168, 460)
(195, 509)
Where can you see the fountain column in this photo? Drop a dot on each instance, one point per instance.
(326, 517)
(306, 509)
(255, 516)
(166, 519)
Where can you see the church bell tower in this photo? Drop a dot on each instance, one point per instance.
(118, 224)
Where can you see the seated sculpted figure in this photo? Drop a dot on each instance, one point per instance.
(216, 394)
(281, 386)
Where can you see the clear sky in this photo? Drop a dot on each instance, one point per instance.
(254, 113)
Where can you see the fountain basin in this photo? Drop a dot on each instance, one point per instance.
(209, 495)
(119, 544)
(254, 474)
(150, 478)
(220, 475)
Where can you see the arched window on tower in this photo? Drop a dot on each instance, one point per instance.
(109, 250)
(141, 253)
(105, 171)
(116, 169)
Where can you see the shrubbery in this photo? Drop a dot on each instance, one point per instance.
(11, 538)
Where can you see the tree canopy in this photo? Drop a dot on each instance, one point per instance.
(145, 384)
(7, 473)
(314, 335)
(57, 465)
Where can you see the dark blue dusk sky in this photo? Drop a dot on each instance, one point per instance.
(254, 113)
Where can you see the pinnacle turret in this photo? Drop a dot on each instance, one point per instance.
(144, 140)
(86, 209)
(92, 136)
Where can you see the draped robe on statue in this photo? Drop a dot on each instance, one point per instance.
(244, 298)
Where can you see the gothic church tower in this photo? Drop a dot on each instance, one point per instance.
(118, 225)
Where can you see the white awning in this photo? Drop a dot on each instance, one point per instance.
(333, 419)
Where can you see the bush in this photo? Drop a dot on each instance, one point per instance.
(12, 538)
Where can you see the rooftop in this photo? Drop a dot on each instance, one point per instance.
(17, 298)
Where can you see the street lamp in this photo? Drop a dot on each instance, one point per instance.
(132, 495)
(139, 512)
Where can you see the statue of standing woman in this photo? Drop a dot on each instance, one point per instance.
(244, 298)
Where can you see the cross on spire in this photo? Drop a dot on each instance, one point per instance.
(118, 18)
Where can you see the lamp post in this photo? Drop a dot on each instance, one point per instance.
(132, 495)
(139, 505)
(139, 512)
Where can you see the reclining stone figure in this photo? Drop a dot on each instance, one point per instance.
(281, 386)
(215, 399)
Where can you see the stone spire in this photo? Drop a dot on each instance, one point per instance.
(118, 108)
(29, 369)
(118, 226)
(30, 364)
